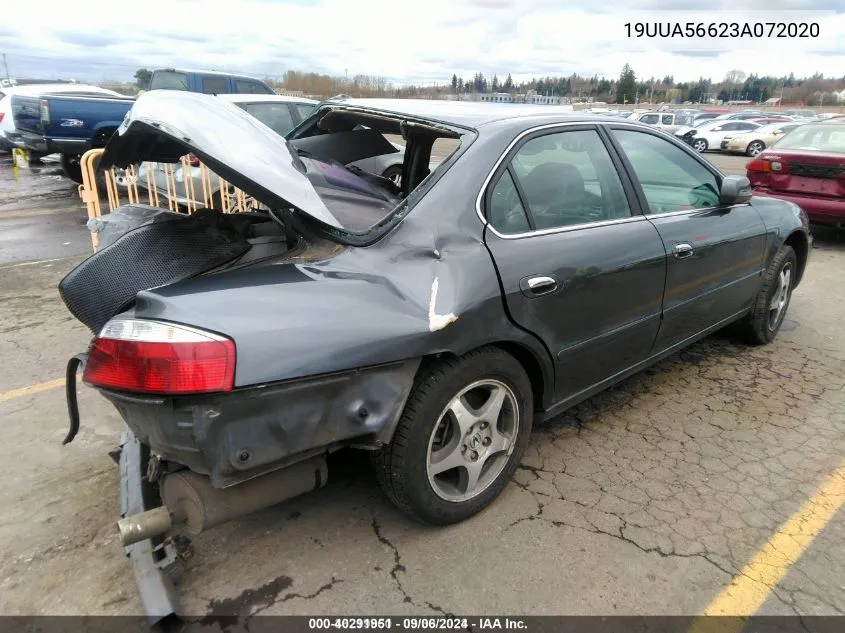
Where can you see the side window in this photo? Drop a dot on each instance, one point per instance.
(249, 87)
(672, 179)
(304, 109)
(651, 119)
(215, 85)
(276, 116)
(567, 179)
(506, 213)
(667, 119)
(747, 126)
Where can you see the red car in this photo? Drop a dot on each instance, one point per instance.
(807, 167)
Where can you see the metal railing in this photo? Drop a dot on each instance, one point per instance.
(162, 185)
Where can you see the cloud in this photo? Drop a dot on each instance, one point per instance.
(412, 42)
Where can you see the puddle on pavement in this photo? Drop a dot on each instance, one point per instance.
(25, 188)
(788, 325)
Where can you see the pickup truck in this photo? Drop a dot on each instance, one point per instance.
(71, 125)
(67, 124)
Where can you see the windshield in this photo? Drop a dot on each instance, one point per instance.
(816, 138)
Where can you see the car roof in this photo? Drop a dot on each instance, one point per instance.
(54, 87)
(207, 72)
(262, 98)
(470, 114)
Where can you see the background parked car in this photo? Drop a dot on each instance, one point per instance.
(207, 82)
(807, 167)
(805, 115)
(709, 136)
(667, 121)
(753, 142)
(68, 124)
(9, 136)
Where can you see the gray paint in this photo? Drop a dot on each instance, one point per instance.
(433, 282)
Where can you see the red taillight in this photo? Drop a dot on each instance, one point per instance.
(155, 357)
(759, 165)
(193, 160)
(2, 114)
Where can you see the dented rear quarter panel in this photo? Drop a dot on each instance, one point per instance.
(428, 286)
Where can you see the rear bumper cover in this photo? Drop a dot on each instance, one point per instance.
(819, 210)
(236, 436)
(44, 145)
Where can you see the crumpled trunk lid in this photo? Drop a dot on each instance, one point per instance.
(164, 125)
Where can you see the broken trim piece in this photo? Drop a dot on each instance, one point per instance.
(437, 321)
(156, 590)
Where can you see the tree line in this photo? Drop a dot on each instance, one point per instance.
(628, 88)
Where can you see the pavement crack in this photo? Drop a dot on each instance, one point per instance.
(398, 566)
(328, 586)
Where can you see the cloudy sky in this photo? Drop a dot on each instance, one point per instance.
(420, 41)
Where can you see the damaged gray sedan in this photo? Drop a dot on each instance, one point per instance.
(550, 256)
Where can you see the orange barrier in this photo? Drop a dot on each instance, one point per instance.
(184, 187)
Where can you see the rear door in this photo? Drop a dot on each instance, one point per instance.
(714, 252)
(580, 267)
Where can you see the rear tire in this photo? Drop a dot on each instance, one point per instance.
(754, 148)
(485, 441)
(768, 310)
(699, 145)
(72, 168)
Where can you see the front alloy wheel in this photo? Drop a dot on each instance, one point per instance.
(768, 310)
(699, 145)
(464, 429)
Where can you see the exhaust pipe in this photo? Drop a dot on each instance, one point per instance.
(191, 502)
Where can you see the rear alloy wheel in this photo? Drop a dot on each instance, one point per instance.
(464, 429)
(772, 301)
(754, 148)
(699, 145)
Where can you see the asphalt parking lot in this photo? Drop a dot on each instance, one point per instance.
(696, 485)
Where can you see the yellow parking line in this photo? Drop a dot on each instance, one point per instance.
(750, 588)
(31, 389)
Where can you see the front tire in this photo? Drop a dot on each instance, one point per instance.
(462, 434)
(772, 301)
(754, 148)
(699, 145)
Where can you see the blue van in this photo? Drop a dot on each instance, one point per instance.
(207, 82)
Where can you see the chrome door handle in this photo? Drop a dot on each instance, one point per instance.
(682, 250)
(541, 284)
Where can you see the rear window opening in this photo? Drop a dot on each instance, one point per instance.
(168, 80)
(365, 165)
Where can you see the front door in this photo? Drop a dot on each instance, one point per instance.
(578, 268)
(714, 252)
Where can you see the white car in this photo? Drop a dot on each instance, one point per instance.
(755, 141)
(710, 135)
(8, 140)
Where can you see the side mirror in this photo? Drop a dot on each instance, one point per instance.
(735, 190)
